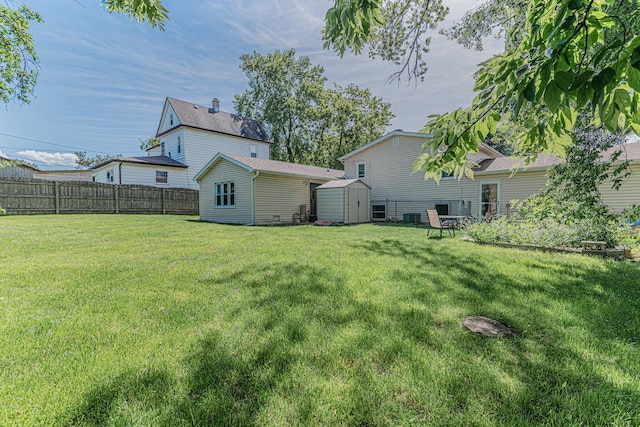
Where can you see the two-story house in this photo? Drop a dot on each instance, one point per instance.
(190, 136)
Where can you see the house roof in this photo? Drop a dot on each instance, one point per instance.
(272, 166)
(506, 164)
(341, 183)
(205, 118)
(148, 160)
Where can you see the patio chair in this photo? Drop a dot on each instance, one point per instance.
(434, 223)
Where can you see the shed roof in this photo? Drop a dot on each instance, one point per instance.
(272, 166)
(341, 183)
(205, 118)
(148, 160)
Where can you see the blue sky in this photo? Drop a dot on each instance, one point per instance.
(104, 79)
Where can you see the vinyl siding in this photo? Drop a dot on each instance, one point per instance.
(80, 175)
(171, 146)
(628, 194)
(100, 174)
(281, 196)
(221, 172)
(15, 171)
(146, 175)
(201, 146)
(165, 122)
(332, 203)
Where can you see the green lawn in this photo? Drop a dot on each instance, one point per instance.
(163, 320)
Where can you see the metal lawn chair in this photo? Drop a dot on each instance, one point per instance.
(435, 224)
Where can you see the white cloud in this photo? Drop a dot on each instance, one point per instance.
(58, 159)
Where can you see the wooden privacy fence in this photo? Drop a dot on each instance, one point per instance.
(33, 196)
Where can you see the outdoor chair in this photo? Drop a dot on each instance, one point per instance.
(435, 224)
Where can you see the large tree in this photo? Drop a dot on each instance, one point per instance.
(19, 63)
(307, 122)
(566, 56)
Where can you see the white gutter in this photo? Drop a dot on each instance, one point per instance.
(253, 205)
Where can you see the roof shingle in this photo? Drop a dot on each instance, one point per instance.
(200, 117)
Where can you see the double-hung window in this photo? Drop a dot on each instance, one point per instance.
(361, 170)
(225, 194)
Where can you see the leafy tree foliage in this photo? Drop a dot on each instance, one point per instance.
(567, 56)
(19, 63)
(150, 142)
(18, 58)
(308, 123)
(85, 162)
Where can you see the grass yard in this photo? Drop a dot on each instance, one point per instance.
(163, 320)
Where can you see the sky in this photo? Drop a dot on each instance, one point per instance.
(103, 79)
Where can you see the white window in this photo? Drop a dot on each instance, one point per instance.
(253, 149)
(162, 148)
(110, 176)
(361, 170)
(225, 194)
(171, 119)
(396, 141)
(162, 177)
(179, 149)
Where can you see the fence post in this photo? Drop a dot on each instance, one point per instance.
(57, 186)
(116, 189)
(164, 208)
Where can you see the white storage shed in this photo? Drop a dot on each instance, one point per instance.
(344, 200)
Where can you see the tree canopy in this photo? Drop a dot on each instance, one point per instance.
(307, 122)
(566, 56)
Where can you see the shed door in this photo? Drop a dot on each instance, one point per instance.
(358, 206)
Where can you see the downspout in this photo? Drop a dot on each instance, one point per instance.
(253, 202)
(120, 173)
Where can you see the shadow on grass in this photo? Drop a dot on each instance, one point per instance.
(301, 347)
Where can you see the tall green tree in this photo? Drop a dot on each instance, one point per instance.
(566, 56)
(85, 162)
(19, 62)
(307, 122)
(348, 118)
(283, 92)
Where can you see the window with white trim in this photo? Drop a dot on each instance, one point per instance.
(396, 141)
(253, 149)
(171, 119)
(162, 148)
(179, 142)
(361, 170)
(162, 177)
(225, 194)
(110, 176)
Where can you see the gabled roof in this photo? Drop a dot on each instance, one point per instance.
(341, 183)
(484, 152)
(199, 117)
(149, 160)
(271, 166)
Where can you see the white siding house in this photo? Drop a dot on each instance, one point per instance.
(386, 164)
(193, 134)
(157, 171)
(249, 190)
